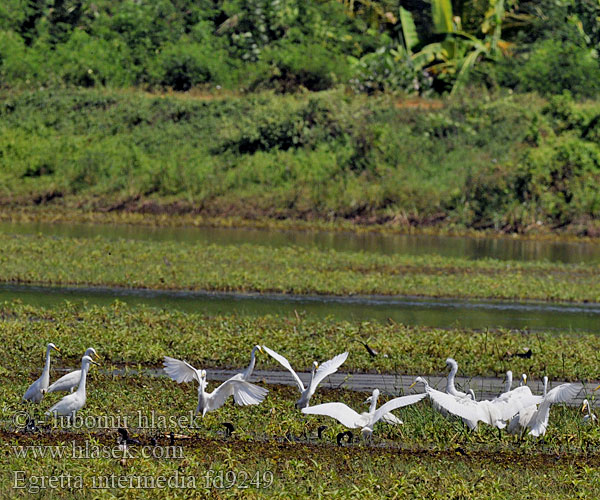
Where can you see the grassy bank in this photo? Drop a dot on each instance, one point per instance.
(142, 336)
(252, 267)
(500, 162)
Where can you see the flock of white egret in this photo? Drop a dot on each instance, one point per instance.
(518, 410)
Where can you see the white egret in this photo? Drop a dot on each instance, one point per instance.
(537, 421)
(351, 419)
(70, 381)
(450, 387)
(243, 392)
(590, 418)
(247, 373)
(72, 403)
(388, 418)
(317, 375)
(518, 423)
(36, 391)
(494, 412)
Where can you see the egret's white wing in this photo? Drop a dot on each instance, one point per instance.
(180, 371)
(390, 418)
(243, 392)
(508, 404)
(462, 407)
(397, 403)
(66, 382)
(67, 405)
(33, 393)
(327, 369)
(342, 413)
(560, 394)
(286, 364)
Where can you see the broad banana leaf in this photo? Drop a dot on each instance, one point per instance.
(409, 30)
(441, 12)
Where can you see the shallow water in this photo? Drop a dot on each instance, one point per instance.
(450, 246)
(442, 313)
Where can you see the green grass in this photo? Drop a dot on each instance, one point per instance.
(141, 336)
(427, 456)
(252, 267)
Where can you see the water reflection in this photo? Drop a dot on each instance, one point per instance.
(450, 246)
(406, 310)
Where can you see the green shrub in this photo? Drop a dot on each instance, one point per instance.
(552, 67)
(561, 178)
(181, 66)
(292, 66)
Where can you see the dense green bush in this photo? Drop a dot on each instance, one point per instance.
(553, 66)
(292, 66)
(182, 66)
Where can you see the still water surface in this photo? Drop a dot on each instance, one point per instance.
(407, 310)
(450, 246)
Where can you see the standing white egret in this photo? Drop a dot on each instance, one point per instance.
(450, 387)
(317, 375)
(351, 419)
(36, 391)
(72, 403)
(590, 418)
(494, 412)
(537, 420)
(243, 392)
(69, 381)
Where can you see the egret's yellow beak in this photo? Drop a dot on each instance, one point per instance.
(260, 349)
(93, 362)
(525, 379)
(96, 356)
(584, 406)
(596, 389)
(412, 385)
(56, 348)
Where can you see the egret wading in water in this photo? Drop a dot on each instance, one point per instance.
(36, 391)
(366, 421)
(72, 403)
(243, 392)
(70, 381)
(317, 375)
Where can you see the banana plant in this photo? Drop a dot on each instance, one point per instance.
(459, 51)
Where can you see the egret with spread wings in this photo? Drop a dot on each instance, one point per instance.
(243, 392)
(318, 374)
(351, 419)
(493, 412)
